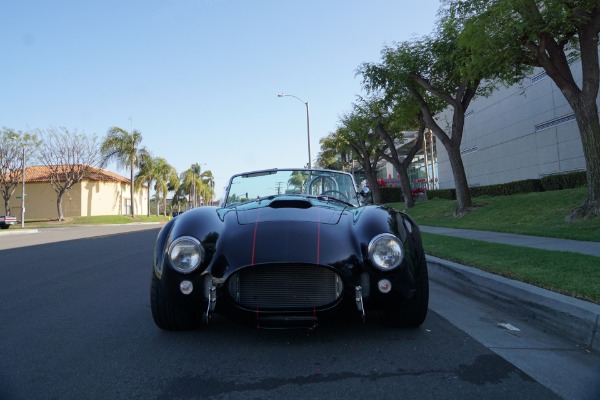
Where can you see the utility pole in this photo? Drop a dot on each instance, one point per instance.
(23, 191)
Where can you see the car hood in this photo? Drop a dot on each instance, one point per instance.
(290, 210)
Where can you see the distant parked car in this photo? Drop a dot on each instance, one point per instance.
(176, 213)
(286, 248)
(7, 221)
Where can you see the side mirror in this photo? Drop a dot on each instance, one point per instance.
(366, 196)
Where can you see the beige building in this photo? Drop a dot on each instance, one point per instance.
(102, 193)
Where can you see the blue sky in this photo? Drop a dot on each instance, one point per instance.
(198, 78)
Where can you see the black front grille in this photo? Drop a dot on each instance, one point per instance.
(279, 287)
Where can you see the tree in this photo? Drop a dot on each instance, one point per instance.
(15, 148)
(510, 37)
(437, 74)
(147, 172)
(179, 198)
(194, 185)
(69, 157)
(404, 116)
(123, 147)
(391, 116)
(356, 130)
(208, 186)
(297, 182)
(334, 154)
(174, 186)
(165, 175)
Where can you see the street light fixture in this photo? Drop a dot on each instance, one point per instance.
(307, 122)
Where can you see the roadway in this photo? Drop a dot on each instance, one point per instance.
(75, 323)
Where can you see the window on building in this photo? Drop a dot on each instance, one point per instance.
(127, 206)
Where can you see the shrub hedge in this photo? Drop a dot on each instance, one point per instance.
(391, 195)
(569, 180)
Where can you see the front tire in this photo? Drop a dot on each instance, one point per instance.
(169, 316)
(412, 313)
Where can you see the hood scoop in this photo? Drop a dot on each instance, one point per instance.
(290, 203)
(289, 210)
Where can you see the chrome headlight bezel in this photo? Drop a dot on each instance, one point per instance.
(386, 252)
(186, 254)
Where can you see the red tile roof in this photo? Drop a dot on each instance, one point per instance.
(40, 173)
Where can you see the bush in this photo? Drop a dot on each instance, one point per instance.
(394, 194)
(506, 189)
(570, 180)
(391, 195)
(448, 194)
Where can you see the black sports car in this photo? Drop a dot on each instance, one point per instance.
(287, 247)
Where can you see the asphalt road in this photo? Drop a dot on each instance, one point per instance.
(75, 323)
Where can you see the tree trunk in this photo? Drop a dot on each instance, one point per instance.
(157, 201)
(452, 144)
(586, 115)
(59, 197)
(409, 201)
(149, 184)
(7, 196)
(371, 177)
(463, 195)
(582, 101)
(131, 191)
(402, 166)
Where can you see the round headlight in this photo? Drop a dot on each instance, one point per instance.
(186, 253)
(385, 251)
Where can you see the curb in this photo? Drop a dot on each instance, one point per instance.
(17, 231)
(573, 319)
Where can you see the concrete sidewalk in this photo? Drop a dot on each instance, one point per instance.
(573, 319)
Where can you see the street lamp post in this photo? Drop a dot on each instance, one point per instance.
(307, 123)
(22, 186)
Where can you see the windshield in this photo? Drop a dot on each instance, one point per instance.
(252, 185)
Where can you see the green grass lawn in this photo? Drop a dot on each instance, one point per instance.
(537, 214)
(575, 275)
(96, 220)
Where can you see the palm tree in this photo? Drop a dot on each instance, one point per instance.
(123, 147)
(335, 152)
(174, 186)
(147, 172)
(192, 182)
(196, 182)
(165, 175)
(208, 181)
(179, 197)
(297, 182)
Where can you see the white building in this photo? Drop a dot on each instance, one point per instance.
(525, 131)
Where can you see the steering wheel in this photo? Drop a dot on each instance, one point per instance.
(319, 182)
(339, 194)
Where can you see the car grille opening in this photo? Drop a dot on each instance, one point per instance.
(279, 287)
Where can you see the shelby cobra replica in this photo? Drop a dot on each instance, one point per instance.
(287, 247)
